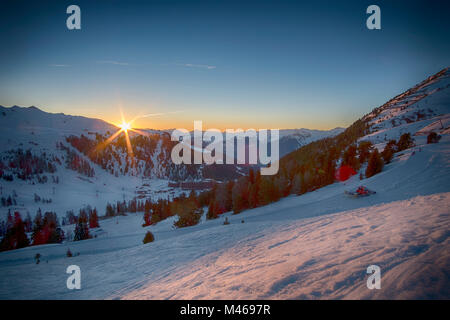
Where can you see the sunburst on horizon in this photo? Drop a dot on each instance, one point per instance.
(124, 127)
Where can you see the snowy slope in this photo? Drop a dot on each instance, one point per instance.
(317, 245)
(293, 139)
(421, 109)
(289, 139)
(38, 131)
(22, 125)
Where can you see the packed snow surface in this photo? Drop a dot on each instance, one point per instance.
(314, 246)
(317, 245)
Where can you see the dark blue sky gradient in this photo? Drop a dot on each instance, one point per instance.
(250, 64)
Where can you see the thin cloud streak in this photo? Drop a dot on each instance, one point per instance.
(160, 114)
(200, 66)
(117, 63)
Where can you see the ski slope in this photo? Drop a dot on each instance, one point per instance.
(314, 246)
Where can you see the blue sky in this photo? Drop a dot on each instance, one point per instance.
(249, 64)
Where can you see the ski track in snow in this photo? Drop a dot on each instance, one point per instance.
(325, 257)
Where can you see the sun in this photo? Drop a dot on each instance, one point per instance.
(125, 126)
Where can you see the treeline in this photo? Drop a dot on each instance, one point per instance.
(88, 218)
(77, 163)
(306, 169)
(188, 209)
(25, 165)
(96, 150)
(150, 156)
(38, 198)
(113, 156)
(121, 208)
(10, 200)
(86, 215)
(44, 228)
(13, 233)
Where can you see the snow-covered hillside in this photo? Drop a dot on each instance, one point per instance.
(119, 178)
(62, 188)
(419, 110)
(317, 245)
(292, 139)
(28, 126)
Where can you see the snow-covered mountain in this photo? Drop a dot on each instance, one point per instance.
(25, 125)
(419, 110)
(314, 246)
(40, 159)
(29, 136)
(292, 139)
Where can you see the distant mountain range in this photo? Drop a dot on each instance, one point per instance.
(20, 124)
(54, 156)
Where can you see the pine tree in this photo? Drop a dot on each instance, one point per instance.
(266, 191)
(9, 220)
(211, 214)
(405, 142)
(364, 148)
(28, 223)
(297, 184)
(83, 216)
(433, 137)
(375, 164)
(93, 219)
(22, 240)
(147, 206)
(239, 195)
(147, 218)
(81, 231)
(387, 153)
(253, 195)
(251, 176)
(37, 227)
(349, 157)
(149, 237)
(281, 187)
(110, 212)
(15, 237)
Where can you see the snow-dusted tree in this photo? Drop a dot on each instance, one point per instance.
(15, 236)
(297, 184)
(375, 164)
(93, 219)
(240, 194)
(81, 231)
(405, 142)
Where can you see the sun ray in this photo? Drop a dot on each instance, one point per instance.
(123, 127)
(142, 133)
(127, 139)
